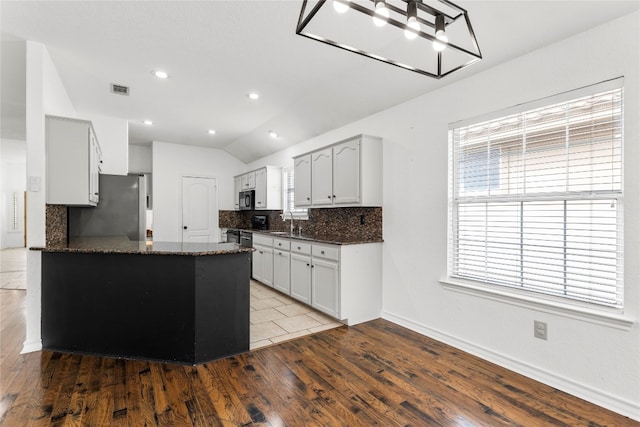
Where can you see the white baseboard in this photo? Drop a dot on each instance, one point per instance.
(31, 346)
(622, 406)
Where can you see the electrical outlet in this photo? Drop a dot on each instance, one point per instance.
(540, 329)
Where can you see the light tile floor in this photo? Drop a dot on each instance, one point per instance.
(13, 268)
(274, 317)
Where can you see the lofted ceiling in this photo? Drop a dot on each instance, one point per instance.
(216, 52)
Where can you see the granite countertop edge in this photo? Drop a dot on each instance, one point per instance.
(143, 252)
(124, 246)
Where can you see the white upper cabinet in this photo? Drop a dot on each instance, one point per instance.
(267, 183)
(73, 159)
(302, 176)
(261, 189)
(237, 188)
(249, 181)
(321, 178)
(348, 173)
(269, 188)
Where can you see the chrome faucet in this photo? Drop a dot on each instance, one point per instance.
(291, 227)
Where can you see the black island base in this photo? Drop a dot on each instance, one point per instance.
(176, 308)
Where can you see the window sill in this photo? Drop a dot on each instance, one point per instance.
(600, 317)
(296, 216)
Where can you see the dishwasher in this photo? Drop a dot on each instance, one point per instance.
(246, 239)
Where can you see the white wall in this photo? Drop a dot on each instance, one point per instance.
(45, 95)
(13, 167)
(170, 163)
(113, 136)
(596, 361)
(140, 159)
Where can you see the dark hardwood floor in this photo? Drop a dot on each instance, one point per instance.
(376, 373)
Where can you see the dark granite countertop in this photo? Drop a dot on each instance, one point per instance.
(122, 245)
(331, 240)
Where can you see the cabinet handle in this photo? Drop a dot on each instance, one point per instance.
(334, 196)
(279, 244)
(100, 161)
(307, 264)
(312, 266)
(95, 194)
(184, 227)
(308, 198)
(328, 197)
(299, 249)
(322, 252)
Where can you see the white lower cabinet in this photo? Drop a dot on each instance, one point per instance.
(301, 277)
(343, 281)
(262, 259)
(282, 271)
(325, 287)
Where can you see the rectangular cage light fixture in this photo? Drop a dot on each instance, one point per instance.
(430, 37)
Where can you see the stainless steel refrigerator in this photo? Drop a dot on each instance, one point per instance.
(120, 212)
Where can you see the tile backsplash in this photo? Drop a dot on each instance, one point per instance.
(56, 226)
(362, 224)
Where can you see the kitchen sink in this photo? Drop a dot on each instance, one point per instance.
(280, 233)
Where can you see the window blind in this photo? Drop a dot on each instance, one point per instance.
(15, 208)
(289, 194)
(536, 199)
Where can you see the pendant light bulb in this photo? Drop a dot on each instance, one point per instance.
(439, 47)
(382, 14)
(341, 6)
(413, 30)
(413, 26)
(440, 35)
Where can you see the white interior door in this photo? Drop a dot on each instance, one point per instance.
(199, 210)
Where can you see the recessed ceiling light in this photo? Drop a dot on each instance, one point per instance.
(160, 74)
(273, 134)
(148, 122)
(212, 132)
(253, 95)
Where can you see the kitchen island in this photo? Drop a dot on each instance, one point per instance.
(177, 302)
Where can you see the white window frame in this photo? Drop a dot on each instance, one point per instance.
(611, 313)
(299, 213)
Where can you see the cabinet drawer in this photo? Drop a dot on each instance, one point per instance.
(259, 239)
(281, 244)
(301, 248)
(328, 252)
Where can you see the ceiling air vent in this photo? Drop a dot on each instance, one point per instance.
(119, 89)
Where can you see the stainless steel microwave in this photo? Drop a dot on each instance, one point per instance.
(247, 200)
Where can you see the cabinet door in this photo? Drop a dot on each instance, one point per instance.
(267, 267)
(94, 169)
(261, 189)
(325, 287)
(302, 177)
(346, 172)
(237, 188)
(301, 278)
(281, 271)
(321, 178)
(249, 181)
(257, 261)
